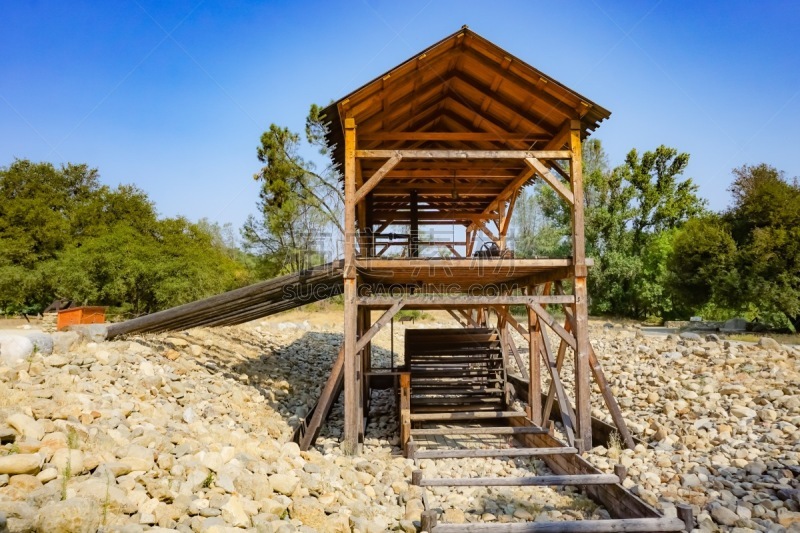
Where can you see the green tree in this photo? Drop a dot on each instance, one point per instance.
(300, 208)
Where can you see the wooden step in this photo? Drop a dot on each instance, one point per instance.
(572, 526)
(467, 415)
(455, 408)
(501, 452)
(457, 388)
(466, 400)
(486, 430)
(576, 480)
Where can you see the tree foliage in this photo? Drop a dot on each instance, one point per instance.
(747, 258)
(64, 235)
(630, 212)
(300, 208)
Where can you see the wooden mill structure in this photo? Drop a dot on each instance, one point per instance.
(450, 138)
(434, 155)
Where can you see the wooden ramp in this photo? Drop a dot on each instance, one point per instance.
(454, 404)
(244, 304)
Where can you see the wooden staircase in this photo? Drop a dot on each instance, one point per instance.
(454, 393)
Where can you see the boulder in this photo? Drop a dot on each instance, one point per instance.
(90, 332)
(42, 342)
(735, 324)
(64, 341)
(14, 349)
(26, 426)
(768, 343)
(69, 516)
(20, 463)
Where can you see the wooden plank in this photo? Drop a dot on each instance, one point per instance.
(405, 409)
(376, 327)
(575, 480)
(551, 180)
(637, 525)
(581, 326)
(619, 502)
(555, 326)
(450, 136)
(502, 430)
(463, 154)
(481, 453)
(534, 370)
(557, 387)
(352, 383)
(435, 301)
(608, 395)
(376, 178)
(469, 415)
(326, 400)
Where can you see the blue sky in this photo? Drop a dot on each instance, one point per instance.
(173, 96)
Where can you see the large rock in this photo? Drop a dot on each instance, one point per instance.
(283, 483)
(14, 349)
(76, 515)
(90, 332)
(310, 512)
(769, 343)
(64, 341)
(42, 342)
(26, 426)
(73, 459)
(20, 463)
(735, 324)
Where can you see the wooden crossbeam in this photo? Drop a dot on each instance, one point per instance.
(463, 154)
(551, 180)
(481, 453)
(618, 525)
(576, 480)
(567, 414)
(376, 327)
(376, 177)
(555, 326)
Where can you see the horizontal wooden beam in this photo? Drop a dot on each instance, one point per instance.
(433, 302)
(463, 154)
(618, 525)
(450, 136)
(576, 480)
(482, 453)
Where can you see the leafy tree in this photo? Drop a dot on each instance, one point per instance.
(300, 207)
(627, 211)
(62, 234)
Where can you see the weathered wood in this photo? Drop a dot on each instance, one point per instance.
(468, 415)
(619, 502)
(637, 525)
(559, 362)
(376, 327)
(449, 136)
(430, 302)
(581, 326)
(567, 414)
(463, 154)
(352, 364)
(427, 521)
(376, 178)
(534, 370)
(685, 515)
(416, 477)
(574, 480)
(621, 472)
(550, 321)
(478, 453)
(551, 180)
(405, 410)
(502, 430)
(325, 402)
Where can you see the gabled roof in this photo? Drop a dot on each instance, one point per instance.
(463, 83)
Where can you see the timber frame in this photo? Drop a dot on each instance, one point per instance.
(450, 138)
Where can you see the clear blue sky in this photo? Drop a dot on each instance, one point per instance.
(173, 96)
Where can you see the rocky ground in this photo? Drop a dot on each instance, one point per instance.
(191, 431)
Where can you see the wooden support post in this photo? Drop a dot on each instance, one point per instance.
(621, 472)
(413, 243)
(428, 521)
(352, 365)
(581, 331)
(416, 478)
(405, 410)
(534, 371)
(685, 514)
(325, 402)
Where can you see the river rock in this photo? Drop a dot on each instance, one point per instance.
(26, 426)
(74, 515)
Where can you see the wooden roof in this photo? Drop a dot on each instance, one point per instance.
(462, 93)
